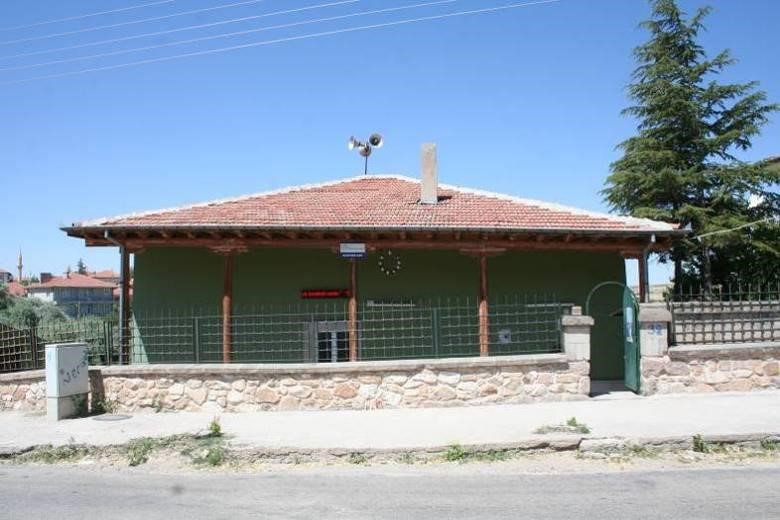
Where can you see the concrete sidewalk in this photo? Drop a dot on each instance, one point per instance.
(636, 418)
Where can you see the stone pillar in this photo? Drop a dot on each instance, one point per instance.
(575, 332)
(654, 320)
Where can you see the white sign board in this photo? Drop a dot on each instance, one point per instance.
(67, 369)
(352, 250)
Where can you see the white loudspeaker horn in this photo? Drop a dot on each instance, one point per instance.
(376, 140)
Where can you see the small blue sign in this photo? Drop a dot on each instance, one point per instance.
(353, 250)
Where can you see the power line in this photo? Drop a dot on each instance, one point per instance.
(282, 40)
(228, 35)
(132, 22)
(81, 17)
(738, 228)
(171, 31)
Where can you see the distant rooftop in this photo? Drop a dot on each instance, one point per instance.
(73, 280)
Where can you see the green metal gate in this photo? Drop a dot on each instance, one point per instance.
(631, 340)
(629, 311)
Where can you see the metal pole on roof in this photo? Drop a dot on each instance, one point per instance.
(365, 149)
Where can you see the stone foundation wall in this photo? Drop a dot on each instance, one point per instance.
(712, 368)
(351, 386)
(25, 391)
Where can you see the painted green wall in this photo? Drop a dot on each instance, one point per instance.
(173, 284)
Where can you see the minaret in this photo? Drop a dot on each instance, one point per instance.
(19, 266)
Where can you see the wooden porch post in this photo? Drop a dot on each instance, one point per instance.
(353, 312)
(643, 288)
(124, 306)
(484, 336)
(227, 310)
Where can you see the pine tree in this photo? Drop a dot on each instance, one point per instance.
(81, 267)
(681, 166)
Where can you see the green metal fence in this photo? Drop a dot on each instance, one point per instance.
(309, 332)
(738, 313)
(24, 348)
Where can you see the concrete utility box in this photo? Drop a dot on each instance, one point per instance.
(67, 379)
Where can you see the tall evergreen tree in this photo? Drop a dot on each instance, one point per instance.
(81, 267)
(681, 166)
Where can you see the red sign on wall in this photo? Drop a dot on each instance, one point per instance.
(312, 294)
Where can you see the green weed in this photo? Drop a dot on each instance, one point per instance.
(357, 458)
(489, 456)
(702, 446)
(570, 426)
(407, 458)
(138, 451)
(577, 426)
(213, 456)
(455, 453)
(639, 450)
(109, 406)
(55, 454)
(215, 429)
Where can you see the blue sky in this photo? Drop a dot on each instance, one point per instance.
(525, 102)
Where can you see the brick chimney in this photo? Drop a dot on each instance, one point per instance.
(429, 185)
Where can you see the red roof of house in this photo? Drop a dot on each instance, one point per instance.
(75, 280)
(16, 289)
(380, 203)
(105, 274)
(118, 291)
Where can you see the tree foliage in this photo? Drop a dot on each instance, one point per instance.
(5, 297)
(81, 267)
(681, 166)
(31, 312)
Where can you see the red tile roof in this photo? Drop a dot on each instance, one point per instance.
(74, 280)
(16, 289)
(105, 274)
(118, 291)
(381, 203)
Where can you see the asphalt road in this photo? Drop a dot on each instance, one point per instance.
(468, 491)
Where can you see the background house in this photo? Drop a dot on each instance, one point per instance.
(5, 276)
(16, 289)
(76, 294)
(106, 275)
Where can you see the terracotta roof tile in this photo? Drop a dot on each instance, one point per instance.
(16, 289)
(74, 280)
(104, 275)
(381, 202)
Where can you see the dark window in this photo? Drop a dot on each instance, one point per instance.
(330, 343)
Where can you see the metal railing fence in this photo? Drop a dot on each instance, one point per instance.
(82, 309)
(306, 332)
(726, 314)
(25, 348)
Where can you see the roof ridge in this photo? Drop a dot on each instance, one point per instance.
(94, 282)
(225, 200)
(647, 224)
